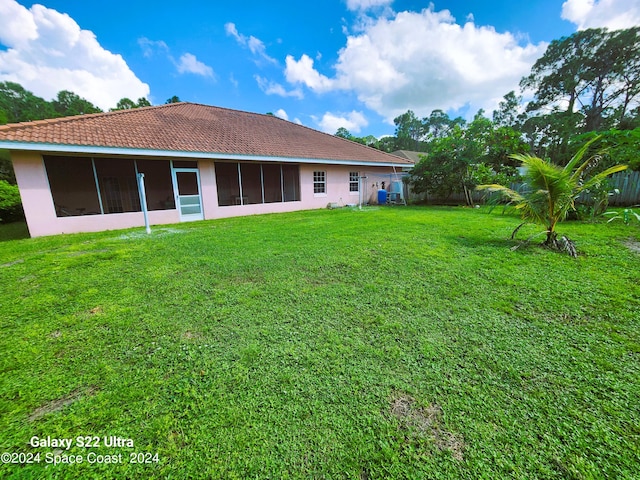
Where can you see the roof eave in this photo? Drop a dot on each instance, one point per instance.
(139, 152)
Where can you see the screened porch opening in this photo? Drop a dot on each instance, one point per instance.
(94, 186)
(118, 186)
(254, 183)
(73, 186)
(157, 184)
(251, 183)
(228, 184)
(291, 179)
(272, 183)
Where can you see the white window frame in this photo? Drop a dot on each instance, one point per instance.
(354, 183)
(320, 181)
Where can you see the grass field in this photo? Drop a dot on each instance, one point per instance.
(382, 343)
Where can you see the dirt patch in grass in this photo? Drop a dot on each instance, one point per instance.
(633, 245)
(15, 262)
(189, 335)
(86, 252)
(156, 232)
(426, 422)
(60, 403)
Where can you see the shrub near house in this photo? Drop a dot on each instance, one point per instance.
(10, 205)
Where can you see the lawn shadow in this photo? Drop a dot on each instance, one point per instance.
(475, 241)
(13, 231)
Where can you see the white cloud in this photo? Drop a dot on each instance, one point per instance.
(48, 52)
(150, 47)
(360, 5)
(302, 71)
(612, 14)
(21, 28)
(255, 45)
(352, 121)
(422, 61)
(187, 63)
(231, 29)
(280, 113)
(273, 88)
(190, 64)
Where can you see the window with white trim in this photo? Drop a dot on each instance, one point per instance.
(319, 182)
(354, 184)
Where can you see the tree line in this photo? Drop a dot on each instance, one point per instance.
(18, 104)
(585, 84)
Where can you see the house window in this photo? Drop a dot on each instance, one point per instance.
(353, 182)
(319, 182)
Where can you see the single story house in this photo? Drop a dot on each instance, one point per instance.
(83, 173)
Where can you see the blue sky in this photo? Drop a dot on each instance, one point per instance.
(350, 63)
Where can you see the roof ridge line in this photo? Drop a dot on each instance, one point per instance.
(345, 139)
(245, 112)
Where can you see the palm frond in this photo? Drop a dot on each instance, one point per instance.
(569, 167)
(543, 175)
(512, 196)
(600, 177)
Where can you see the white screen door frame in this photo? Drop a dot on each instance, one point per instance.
(187, 191)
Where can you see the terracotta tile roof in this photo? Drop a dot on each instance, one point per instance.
(190, 127)
(408, 155)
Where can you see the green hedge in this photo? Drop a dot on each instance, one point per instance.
(10, 203)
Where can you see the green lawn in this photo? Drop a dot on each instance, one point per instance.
(382, 343)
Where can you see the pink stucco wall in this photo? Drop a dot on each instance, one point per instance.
(34, 190)
(208, 185)
(337, 191)
(42, 220)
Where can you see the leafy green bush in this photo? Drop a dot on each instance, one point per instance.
(6, 168)
(482, 174)
(10, 203)
(594, 202)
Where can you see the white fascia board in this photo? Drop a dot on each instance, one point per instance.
(140, 152)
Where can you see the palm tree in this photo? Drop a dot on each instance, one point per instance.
(550, 191)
